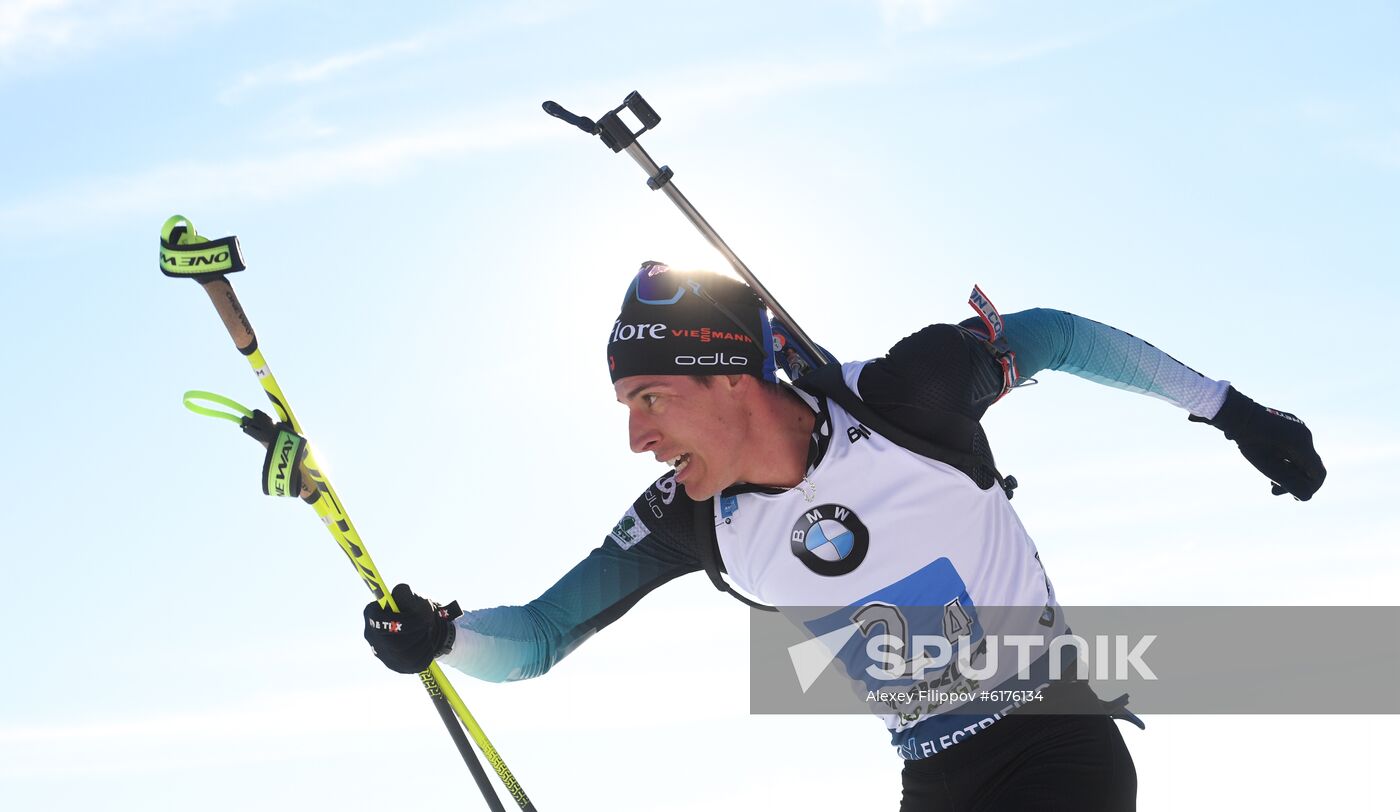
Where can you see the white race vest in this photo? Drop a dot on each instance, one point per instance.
(880, 525)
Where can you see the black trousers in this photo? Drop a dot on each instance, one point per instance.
(1033, 762)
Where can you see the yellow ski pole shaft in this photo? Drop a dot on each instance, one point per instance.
(328, 506)
(317, 492)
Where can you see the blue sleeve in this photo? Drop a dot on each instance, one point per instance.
(1053, 339)
(652, 544)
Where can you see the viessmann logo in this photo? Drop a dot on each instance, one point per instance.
(707, 334)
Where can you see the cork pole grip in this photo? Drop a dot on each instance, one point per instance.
(235, 320)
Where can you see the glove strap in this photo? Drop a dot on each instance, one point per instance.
(1235, 414)
(449, 613)
(996, 344)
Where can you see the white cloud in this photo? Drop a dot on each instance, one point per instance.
(996, 48)
(212, 734)
(45, 30)
(214, 729)
(540, 12)
(34, 21)
(277, 176)
(917, 13)
(1382, 151)
(1326, 111)
(720, 86)
(996, 56)
(286, 174)
(480, 21)
(1357, 128)
(297, 73)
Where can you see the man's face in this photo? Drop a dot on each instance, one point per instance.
(699, 430)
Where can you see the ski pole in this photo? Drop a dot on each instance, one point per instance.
(618, 136)
(185, 254)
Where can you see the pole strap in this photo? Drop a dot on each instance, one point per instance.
(281, 470)
(185, 254)
(195, 394)
(286, 450)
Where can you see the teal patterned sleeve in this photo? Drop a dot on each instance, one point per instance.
(1053, 339)
(652, 544)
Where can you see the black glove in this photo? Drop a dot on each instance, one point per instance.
(1277, 443)
(409, 641)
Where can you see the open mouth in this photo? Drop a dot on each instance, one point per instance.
(679, 462)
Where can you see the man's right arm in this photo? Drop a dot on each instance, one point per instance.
(653, 543)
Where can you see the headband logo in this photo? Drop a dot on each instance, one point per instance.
(708, 334)
(628, 332)
(718, 359)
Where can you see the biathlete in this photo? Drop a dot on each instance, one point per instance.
(865, 484)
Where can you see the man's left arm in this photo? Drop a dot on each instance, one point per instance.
(1275, 442)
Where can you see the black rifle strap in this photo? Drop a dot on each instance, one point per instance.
(828, 382)
(708, 546)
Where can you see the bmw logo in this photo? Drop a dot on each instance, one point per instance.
(830, 540)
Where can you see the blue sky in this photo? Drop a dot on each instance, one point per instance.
(434, 264)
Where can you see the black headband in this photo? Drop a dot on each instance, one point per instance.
(689, 323)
